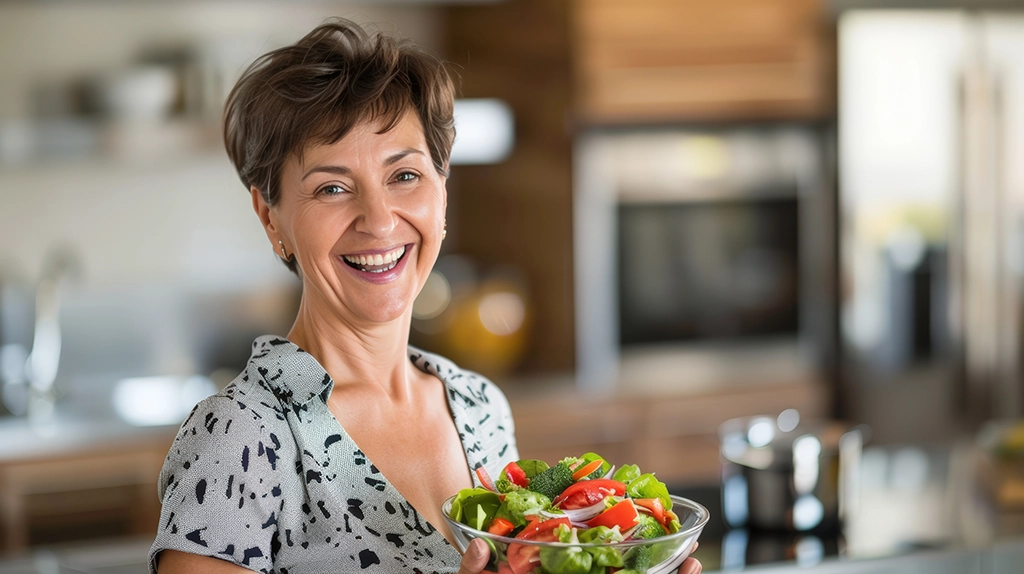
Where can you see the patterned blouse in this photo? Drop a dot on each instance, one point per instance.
(263, 475)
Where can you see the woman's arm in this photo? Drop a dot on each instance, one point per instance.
(175, 562)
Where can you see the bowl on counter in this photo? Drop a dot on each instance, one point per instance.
(667, 552)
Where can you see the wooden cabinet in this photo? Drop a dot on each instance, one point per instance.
(681, 60)
(100, 490)
(566, 65)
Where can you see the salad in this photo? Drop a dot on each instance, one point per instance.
(580, 500)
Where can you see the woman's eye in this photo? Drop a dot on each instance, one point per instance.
(331, 190)
(406, 176)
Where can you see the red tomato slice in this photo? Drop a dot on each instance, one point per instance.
(623, 515)
(524, 559)
(654, 505)
(588, 493)
(485, 479)
(516, 475)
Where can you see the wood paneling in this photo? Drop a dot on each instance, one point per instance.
(567, 64)
(684, 60)
(519, 212)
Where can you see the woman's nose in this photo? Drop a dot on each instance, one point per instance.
(378, 216)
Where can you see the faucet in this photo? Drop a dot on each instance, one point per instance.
(44, 359)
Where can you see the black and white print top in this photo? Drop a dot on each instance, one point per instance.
(263, 475)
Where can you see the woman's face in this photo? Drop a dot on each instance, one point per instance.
(364, 218)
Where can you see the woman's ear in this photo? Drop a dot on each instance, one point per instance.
(259, 205)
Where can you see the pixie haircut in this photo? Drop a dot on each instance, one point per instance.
(316, 90)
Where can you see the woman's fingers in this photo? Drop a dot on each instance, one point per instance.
(475, 558)
(690, 566)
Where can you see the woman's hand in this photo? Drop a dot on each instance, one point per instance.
(691, 565)
(475, 558)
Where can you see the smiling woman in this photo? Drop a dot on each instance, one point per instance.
(336, 447)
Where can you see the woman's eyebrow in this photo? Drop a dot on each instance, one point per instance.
(398, 156)
(331, 169)
(342, 170)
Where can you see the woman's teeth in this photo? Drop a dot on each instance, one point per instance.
(377, 263)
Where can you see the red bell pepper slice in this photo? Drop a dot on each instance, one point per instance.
(655, 506)
(623, 514)
(501, 527)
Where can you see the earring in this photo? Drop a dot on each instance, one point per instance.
(444, 230)
(283, 254)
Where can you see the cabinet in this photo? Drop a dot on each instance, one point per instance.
(682, 60)
(92, 490)
(672, 435)
(568, 65)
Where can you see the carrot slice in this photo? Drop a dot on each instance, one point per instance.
(586, 469)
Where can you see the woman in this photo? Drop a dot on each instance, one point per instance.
(334, 449)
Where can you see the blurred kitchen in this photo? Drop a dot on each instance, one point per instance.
(771, 250)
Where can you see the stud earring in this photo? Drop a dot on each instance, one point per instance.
(444, 230)
(283, 254)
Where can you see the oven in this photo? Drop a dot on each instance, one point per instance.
(703, 256)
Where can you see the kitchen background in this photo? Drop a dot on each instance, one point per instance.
(802, 214)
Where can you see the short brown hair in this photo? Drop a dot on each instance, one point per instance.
(317, 89)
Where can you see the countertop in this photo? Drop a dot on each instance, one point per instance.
(69, 433)
(920, 512)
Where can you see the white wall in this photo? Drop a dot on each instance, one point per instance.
(182, 218)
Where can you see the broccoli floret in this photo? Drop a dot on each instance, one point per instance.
(649, 527)
(552, 481)
(637, 559)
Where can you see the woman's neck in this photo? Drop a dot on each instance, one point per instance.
(356, 354)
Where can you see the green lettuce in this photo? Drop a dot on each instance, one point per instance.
(475, 507)
(520, 503)
(647, 486)
(627, 473)
(572, 560)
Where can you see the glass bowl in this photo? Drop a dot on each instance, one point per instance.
(667, 552)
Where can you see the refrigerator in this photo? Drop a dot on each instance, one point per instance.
(931, 224)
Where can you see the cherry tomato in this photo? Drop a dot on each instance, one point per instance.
(523, 558)
(623, 515)
(588, 493)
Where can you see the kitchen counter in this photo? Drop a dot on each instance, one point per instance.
(920, 512)
(71, 434)
(78, 477)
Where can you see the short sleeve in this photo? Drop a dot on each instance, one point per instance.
(220, 488)
(508, 450)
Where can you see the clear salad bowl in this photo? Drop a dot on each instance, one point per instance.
(516, 556)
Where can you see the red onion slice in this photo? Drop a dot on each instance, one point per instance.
(610, 473)
(586, 513)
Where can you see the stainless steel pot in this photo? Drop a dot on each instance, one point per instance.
(781, 474)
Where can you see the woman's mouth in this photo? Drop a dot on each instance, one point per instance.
(376, 263)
